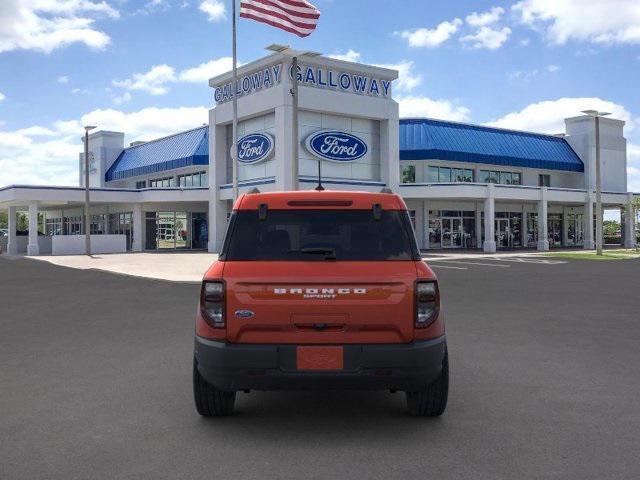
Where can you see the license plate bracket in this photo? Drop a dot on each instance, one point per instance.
(317, 358)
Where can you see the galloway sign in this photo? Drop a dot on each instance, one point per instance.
(328, 78)
(336, 146)
(308, 76)
(255, 148)
(248, 84)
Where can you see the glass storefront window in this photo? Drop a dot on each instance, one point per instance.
(408, 174)
(176, 230)
(554, 229)
(433, 174)
(435, 229)
(444, 175)
(448, 174)
(451, 229)
(575, 229)
(532, 229)
(504, 178)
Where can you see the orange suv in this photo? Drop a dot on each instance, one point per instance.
(320, 290)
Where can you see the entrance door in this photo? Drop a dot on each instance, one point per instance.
(504, 238)
(451, 232)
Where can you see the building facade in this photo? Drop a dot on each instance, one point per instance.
(467, 186)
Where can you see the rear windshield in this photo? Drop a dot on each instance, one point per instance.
(320, 235)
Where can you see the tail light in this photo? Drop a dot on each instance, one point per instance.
(427, 303)
(212, 303)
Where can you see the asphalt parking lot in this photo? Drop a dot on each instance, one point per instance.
(95, 382)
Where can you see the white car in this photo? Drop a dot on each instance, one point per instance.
(4, 232)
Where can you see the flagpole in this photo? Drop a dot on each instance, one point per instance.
(234, 141)
(294, 126)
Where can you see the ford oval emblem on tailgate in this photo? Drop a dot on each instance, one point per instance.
(244, 313)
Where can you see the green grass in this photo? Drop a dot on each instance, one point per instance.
(620, 254)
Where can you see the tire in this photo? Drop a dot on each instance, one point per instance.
(432, 401)
(211, 402)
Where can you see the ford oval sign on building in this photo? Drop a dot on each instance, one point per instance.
(255, 148)
(336, 146)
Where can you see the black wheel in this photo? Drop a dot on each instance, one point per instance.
(211, 402)
(432, 401)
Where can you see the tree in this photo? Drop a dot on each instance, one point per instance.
(3, 220)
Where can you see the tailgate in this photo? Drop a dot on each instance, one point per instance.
(320, 302)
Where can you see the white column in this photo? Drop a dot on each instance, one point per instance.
(138, 219)
(478, 226)
(629, 224)
(589, 242)
(489, 245)
(425, 224)
(32, 246)
(283, 140)
(218, 209)
(12, 246)
(390, 150)
(543, 240)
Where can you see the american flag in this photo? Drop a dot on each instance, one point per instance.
(295, 16)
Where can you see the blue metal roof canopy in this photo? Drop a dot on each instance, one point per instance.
(183, 149)
(427, 139)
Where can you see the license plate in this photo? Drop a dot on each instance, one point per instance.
(320, 358)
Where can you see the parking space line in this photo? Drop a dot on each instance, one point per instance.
(474, 263)
(531, 260)
(446, 266)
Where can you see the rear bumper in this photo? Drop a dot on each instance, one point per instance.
(410, 366)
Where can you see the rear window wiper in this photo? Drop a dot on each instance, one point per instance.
(329, 253)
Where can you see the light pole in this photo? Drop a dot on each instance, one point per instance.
(295, 145)
(87, 217)
(596, 114)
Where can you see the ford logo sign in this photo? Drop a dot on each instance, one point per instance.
(255, 148)
(244, 313)
(336, 146)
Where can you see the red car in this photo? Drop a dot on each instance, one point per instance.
(320, 290)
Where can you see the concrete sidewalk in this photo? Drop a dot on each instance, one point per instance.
(174, 267)
(190, 266)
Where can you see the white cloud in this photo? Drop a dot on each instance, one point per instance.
(487, 37)
(407, 78)
(214, 9)
(124, 98)
(526, 75)
(595, 21)
(45, 25)
(486, 18)
(48, 155)
(154, 81)
(420, 106)
(548, 116)
(525, 42)
(349, 56)
(63, 79)
(203, 72)
(2, 96)
(424, 37)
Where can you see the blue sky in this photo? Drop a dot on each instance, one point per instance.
(141, 66)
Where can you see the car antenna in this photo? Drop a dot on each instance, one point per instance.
(319, 188)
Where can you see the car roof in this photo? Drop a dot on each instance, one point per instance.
(314, 200)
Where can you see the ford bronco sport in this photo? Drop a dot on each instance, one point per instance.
(317, 290)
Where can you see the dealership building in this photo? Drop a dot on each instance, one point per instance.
(466, 186)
